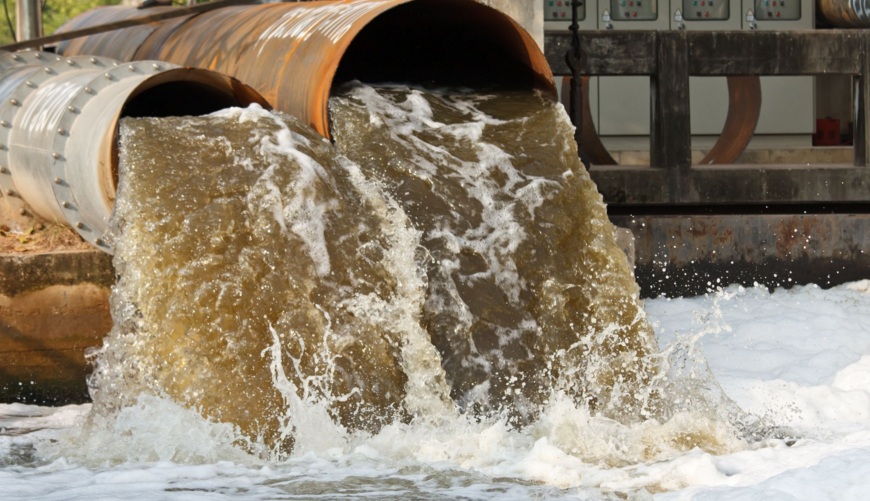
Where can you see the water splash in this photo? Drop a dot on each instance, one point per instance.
(442, 283)
(528, 291)
(250, 229)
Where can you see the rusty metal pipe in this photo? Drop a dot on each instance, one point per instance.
(294, 54)
(844, 13)
(59, 123)
(744, 108)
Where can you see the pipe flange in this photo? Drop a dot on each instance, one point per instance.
(8, 191)
(25, 58)
(63, 192)
(45, 67)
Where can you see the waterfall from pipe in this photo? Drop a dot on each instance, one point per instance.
(447, 260)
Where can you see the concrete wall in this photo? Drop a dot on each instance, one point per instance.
(53, 307)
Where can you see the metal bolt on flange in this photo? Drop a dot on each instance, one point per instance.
(80, 225)
(55, 155)
(58, 180)
(22, 211)
(66, 205)
(30, 84)
(89, 90)
(61, 131)
(14, 102)
(72, 109)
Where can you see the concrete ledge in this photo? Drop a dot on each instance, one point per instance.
(53, 307)
(684, 255)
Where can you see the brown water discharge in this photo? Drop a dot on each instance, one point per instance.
(243, 234)
(527, 288)
(448, 255)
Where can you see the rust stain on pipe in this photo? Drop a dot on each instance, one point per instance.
(843, 13)
(294, 54)
(744, 108)
(119, 44)
(590, 142)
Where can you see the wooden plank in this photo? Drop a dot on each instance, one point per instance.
(671, 129)
(775, 52)
(716, 53)
(607, 52)
(754, 184)
(861, 96)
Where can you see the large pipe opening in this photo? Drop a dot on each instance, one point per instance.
(178, 99)
(441, 43)
(179, 92)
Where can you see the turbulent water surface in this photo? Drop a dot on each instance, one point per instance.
(441, 277)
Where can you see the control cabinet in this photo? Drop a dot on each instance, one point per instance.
(557, 15)
(620, 106)
(786, 102)
(623, 102)
(708, 96)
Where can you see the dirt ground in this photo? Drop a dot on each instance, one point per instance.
(40, 238)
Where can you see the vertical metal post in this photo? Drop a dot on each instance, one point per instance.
(574, 60)
(861, 96)
(671, 135)
(28, 19)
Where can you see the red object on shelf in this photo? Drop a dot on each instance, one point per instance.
(827, 132)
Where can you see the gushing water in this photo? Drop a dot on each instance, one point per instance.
(444, 275)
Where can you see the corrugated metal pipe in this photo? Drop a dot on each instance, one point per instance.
(295, 53)
(844, 13)
(59, 123)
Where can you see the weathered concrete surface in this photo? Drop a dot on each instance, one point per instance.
(53, 307)
(682, 255)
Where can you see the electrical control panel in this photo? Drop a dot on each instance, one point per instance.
(560, 11)
(787, 103)
(777, 10)
(620, 105)
(557, 15)
(778, 14)
(634, 10)
(624, 102)
(706, 10)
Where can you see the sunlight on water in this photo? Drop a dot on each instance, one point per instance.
(439, 290)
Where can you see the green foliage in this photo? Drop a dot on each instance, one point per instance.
(57, 12)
